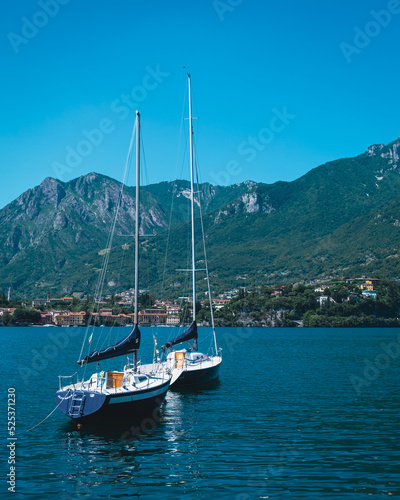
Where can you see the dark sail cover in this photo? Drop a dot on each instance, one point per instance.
(125, 346)
(189, 334)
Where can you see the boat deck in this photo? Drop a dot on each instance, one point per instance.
(110, 383)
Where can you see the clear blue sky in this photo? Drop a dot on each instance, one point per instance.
(275, 90)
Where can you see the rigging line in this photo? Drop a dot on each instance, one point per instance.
(167, 245)
(123, 249)
(51, 413)
(187, 279)
(172, 195)
(143, 173)
(143, 163)
(111, 234)
(205, 338)
(100, 284)
(109, 243)
(184, 130)
(205, 259)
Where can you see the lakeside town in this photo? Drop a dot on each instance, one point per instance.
(111, 310)
(283, 306)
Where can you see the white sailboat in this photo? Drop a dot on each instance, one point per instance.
(188, 366)
(109, 395)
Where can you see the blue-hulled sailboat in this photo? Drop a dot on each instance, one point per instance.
(107, 395)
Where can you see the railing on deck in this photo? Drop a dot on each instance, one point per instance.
(71, 377)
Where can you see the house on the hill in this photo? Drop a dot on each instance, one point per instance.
(366, 286)
(323, 299)
(278, 291)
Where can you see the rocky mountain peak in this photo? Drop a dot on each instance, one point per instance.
(374, 149)
(90, 177)
(393, 153)
(85, 185)
(52, 190)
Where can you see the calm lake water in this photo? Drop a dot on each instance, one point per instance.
(298, 413)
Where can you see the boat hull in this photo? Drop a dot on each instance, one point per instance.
(197, 375)
(101, 407)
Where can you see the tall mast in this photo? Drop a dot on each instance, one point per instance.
(136, 321)
(192, 199)
(137, 217)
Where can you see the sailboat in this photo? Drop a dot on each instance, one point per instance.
(107, 395)
(188, 366)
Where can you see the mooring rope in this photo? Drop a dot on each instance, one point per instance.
(37, 425)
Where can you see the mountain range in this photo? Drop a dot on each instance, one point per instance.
(340, 219)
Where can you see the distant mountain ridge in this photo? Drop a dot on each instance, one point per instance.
(342, 217)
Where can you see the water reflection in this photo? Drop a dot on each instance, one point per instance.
(162, 449)
(196, 389)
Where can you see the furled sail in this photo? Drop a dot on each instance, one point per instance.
(189, 334)
(127, 345)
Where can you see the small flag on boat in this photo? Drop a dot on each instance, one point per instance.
(90, 338)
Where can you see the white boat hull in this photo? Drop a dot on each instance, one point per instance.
(191, 371)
